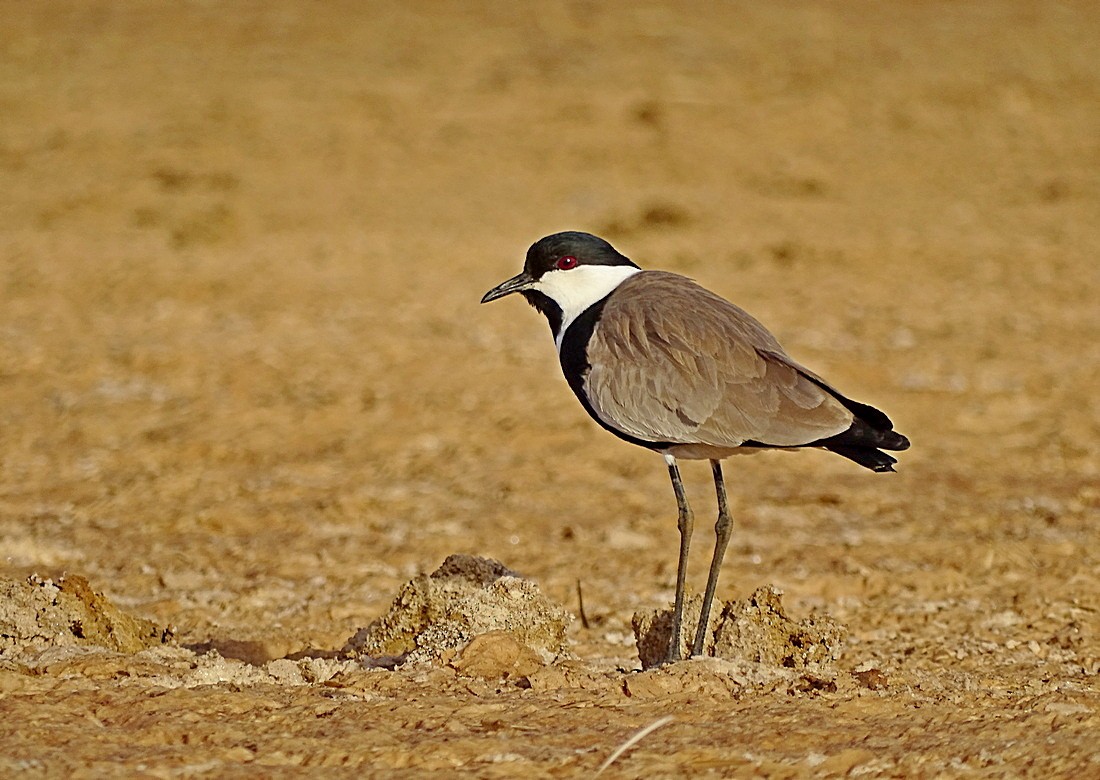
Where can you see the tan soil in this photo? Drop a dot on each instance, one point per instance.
(247, 392)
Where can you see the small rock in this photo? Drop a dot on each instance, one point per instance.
(574, 675)
(653, 684)
(285, 672)
(497, 655)
(873, 679)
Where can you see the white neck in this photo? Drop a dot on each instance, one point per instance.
(578, 288)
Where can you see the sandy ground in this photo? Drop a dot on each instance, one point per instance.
(247, 391)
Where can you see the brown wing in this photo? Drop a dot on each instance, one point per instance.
(674, 362)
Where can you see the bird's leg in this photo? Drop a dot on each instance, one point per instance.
(684, 523)
(721, 540)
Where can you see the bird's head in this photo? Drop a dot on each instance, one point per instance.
(564, 274)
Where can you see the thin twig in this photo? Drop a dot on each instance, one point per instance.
(634, 740)
(580, 604)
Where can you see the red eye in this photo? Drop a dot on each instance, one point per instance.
(567, 262)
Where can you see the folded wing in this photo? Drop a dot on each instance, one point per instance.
(680, 364)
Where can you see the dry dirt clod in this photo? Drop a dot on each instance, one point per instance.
(497, 655)
(37, 614)
(755, 629)
(435, 617)
(873, 679)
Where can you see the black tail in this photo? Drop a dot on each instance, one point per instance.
(868, 457)
(864, 441)
(870, 432)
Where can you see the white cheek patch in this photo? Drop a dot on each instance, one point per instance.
(577, 289)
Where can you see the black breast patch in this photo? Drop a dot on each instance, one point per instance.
(574, 364)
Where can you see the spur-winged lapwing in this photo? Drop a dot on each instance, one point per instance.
(665, 364)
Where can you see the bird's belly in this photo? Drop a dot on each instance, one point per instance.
(706, 451)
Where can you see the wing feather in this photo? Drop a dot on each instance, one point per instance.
(680, 364)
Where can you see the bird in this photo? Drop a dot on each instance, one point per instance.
(665, 364)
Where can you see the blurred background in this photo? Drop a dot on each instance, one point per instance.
(246, 387)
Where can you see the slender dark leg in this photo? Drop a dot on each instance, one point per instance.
(684, 523)
(721, 540)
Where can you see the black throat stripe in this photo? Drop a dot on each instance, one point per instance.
(547, 307)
